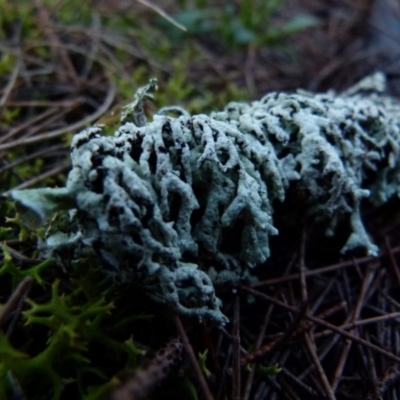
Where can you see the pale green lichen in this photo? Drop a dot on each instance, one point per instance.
(161, 198)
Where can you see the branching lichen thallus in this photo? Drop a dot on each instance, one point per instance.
(158, 196)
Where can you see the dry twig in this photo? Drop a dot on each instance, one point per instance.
(14, 303)
(143, 381)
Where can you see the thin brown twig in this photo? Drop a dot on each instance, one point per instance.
(13, 78)
(46, 103)
(20, 257)
(302, 268)
(27, 124)
(290, 391)
(308, 336)
(384, 334)
(236, 349)
(209, 344)
(111, 66)
(321, 298)
(299, 382)
(161, 12)
(222, 381)
(360, 322)
(54, 120)
(95, 29)
(308, 325)
(249, 68)
(114, 65)
(328, 325)
(355, 315)
(70, 128)
(110, 38)
(372, 371)
(230, 337)
(55, 43)
(143, 381)
(390, 375)
(193, 360)
(16, 391)
(392, 260)
(45, 175)
(261, 334)
(52, 151)
(258, 344)
(312, 351)
(347, 59)
(323, 353)
(297, 328)
(18, 296)
(388, 297)
(318, 271)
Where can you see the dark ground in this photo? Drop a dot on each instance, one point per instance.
(330, 323)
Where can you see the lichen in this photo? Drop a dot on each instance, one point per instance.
(160, 202)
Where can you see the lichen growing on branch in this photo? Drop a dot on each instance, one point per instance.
(159, 198)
